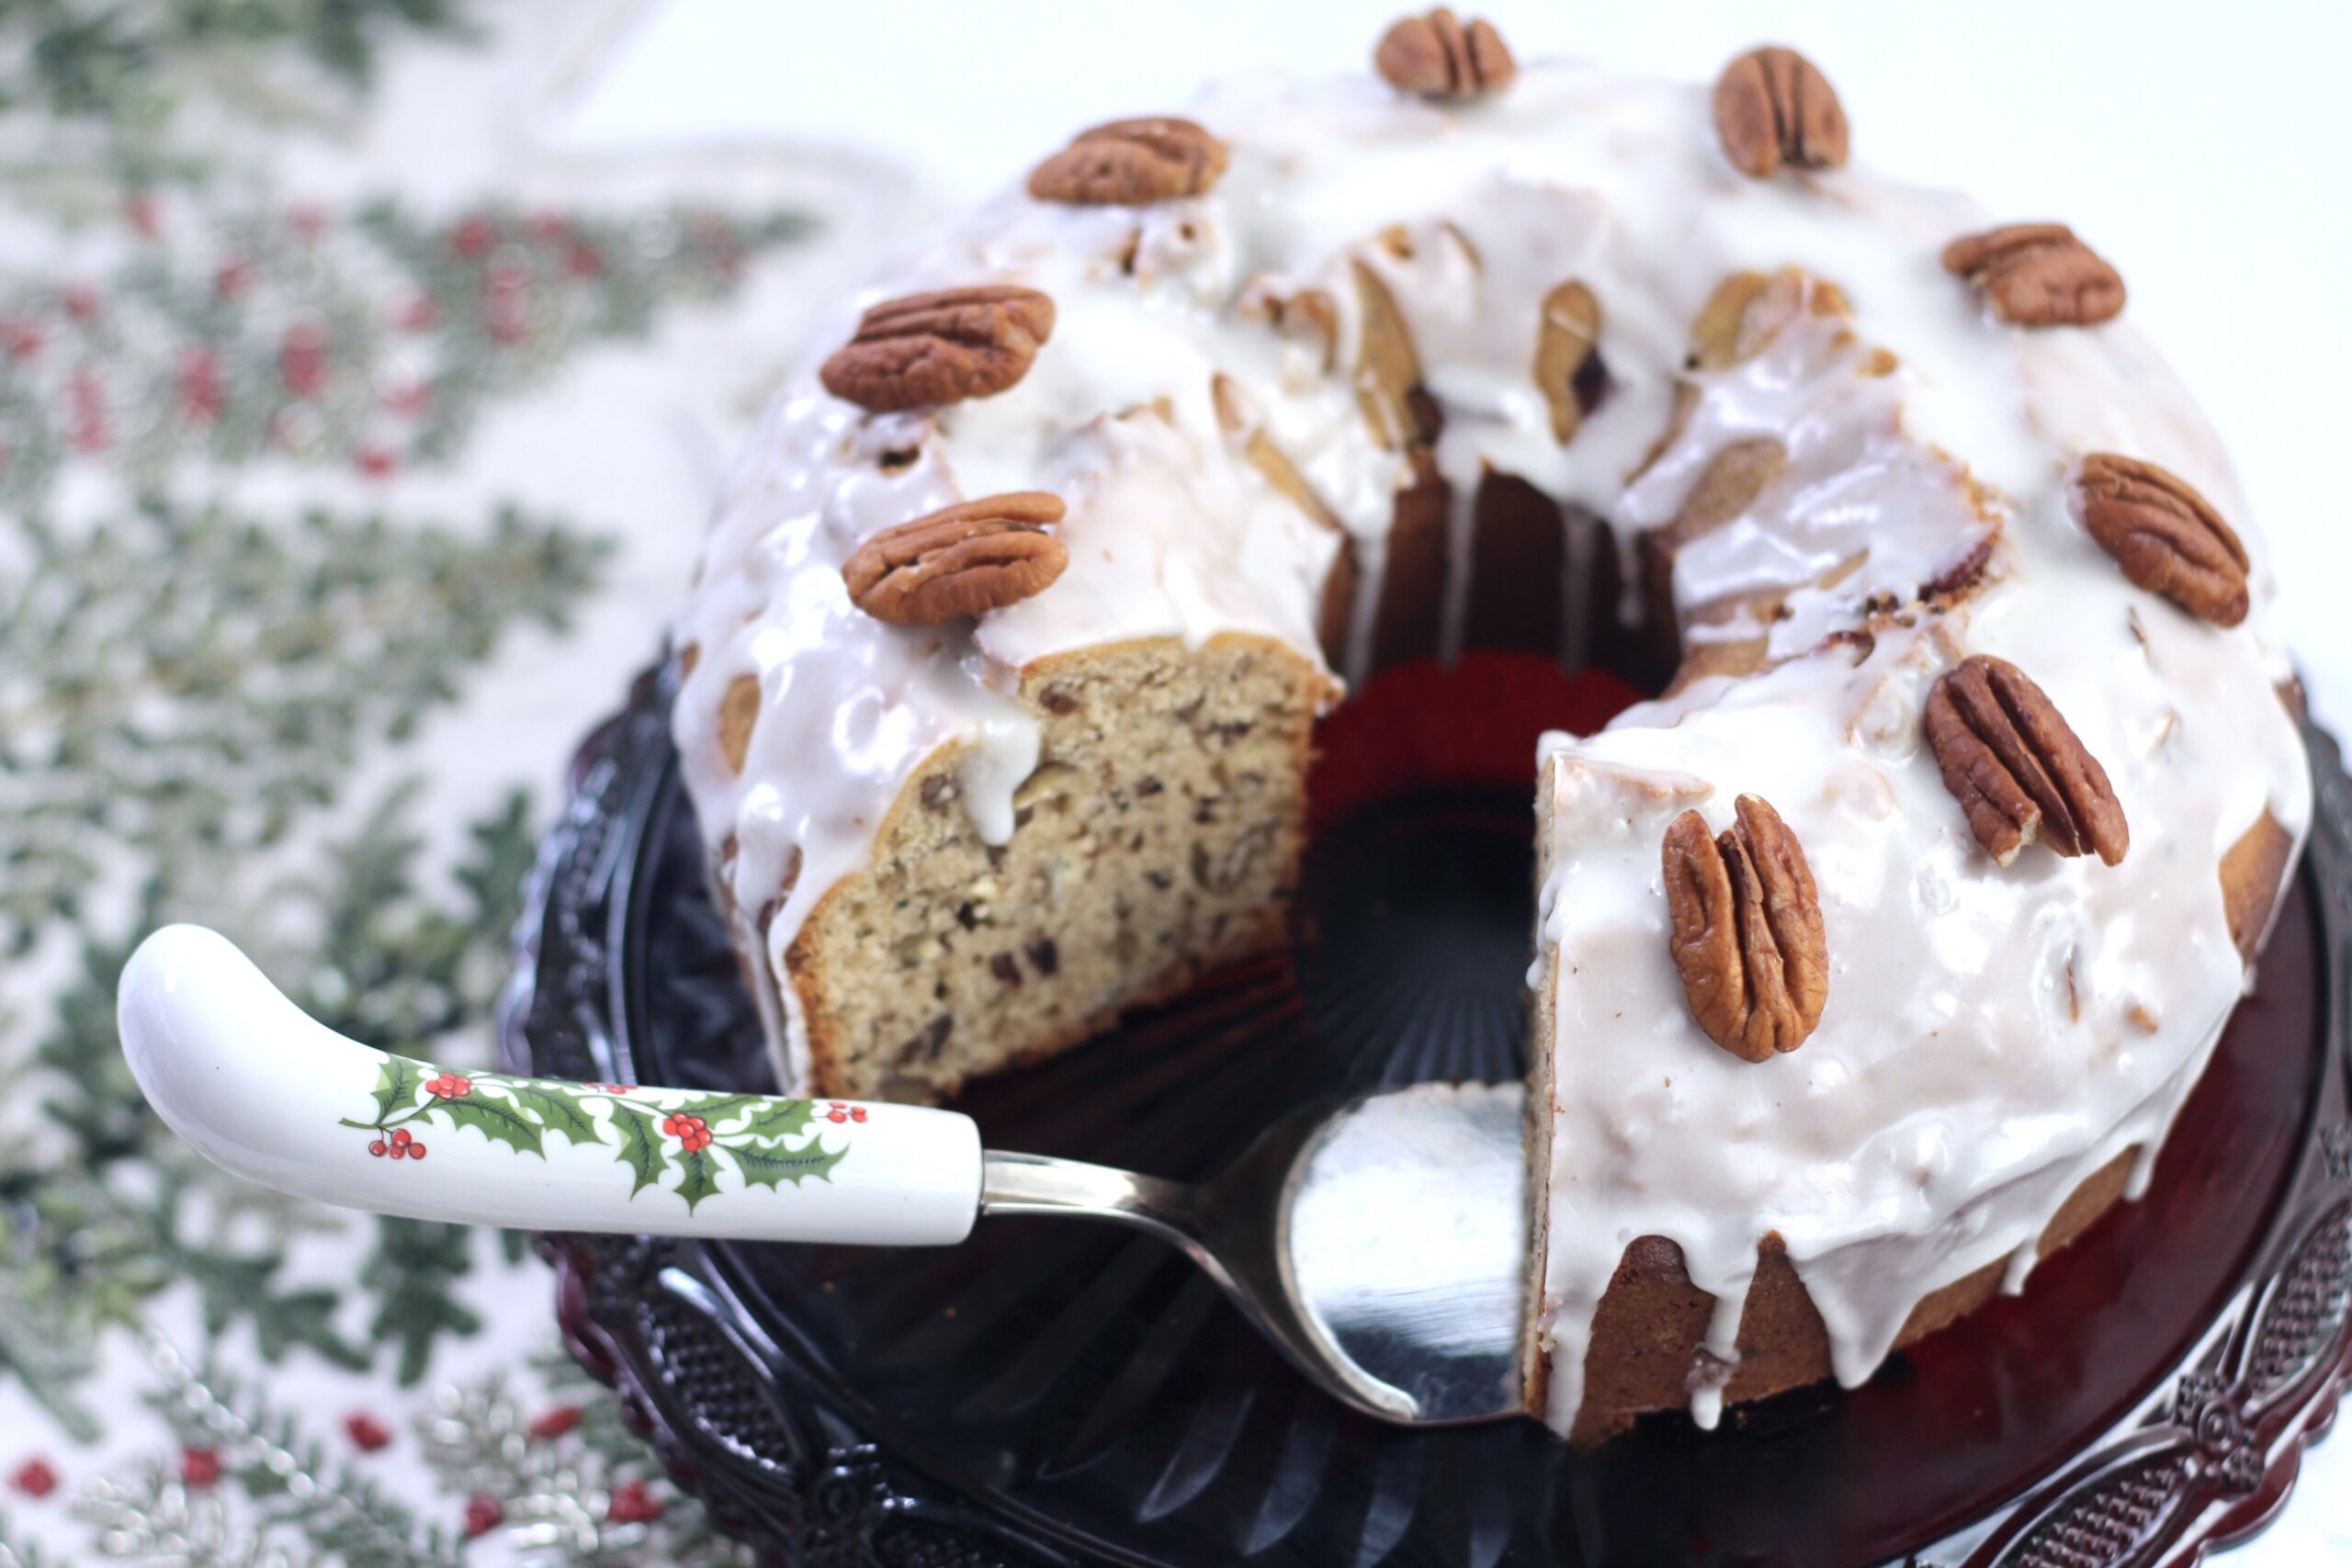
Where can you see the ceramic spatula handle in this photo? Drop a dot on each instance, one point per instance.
(259, 1088)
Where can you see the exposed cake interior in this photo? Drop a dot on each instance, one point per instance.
(1155, 838)
(1377, 378)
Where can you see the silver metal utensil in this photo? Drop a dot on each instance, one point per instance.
(1380, 1240)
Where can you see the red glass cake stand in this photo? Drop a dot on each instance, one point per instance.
(1065, 1394)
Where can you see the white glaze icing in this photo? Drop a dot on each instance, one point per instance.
(1991, 1036)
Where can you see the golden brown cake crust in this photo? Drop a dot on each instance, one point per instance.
(1647, 1332)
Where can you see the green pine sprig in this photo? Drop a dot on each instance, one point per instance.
(285, 1477)
(186, 719)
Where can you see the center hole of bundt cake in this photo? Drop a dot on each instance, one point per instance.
(1410, 922)
(1411, 931)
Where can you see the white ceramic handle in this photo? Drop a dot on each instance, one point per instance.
(266, 1091)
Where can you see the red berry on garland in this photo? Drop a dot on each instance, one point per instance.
(377, 1149)
(308, 218)
(81, 302)
(302, 359)
(35, 1478)
(200, 1467)
(582, 259)
(483, 1514)
(139, 210)
(376, 462)
(201, 394)
(368, 1434)
(92, 431)
(507, 307)
(556, 1423)
(19, 338)
(234, 276)
(418, 314)
(634, 1504)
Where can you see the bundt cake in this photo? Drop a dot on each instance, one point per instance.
(1873, 956)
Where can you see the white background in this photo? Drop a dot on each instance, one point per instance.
(2206, 150)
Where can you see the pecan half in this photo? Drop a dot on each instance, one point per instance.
(1567, 357)
(2166, 536)
(939, 349)
(1437, 57)
(960, 561)
(2038, 275)
(1129, 162)
(1774, 110)
(1747, 931)
(2017, 768)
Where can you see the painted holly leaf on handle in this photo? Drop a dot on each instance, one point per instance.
(649, 1140)
(396, 1086)
(556, 1113)
(701, 1179)
(777, 1119)
(641, 1149)
(764, 1164)
(496, 1120)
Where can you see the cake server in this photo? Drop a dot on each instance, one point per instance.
(1380, 1241)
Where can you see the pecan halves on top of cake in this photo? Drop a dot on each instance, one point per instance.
(1437, 57)
(1130, 162)
(928, 349)
(1747, 931)
(958, 562)
(2166, 536)
(2017, 767)
(2038, 275)
(1775, 110)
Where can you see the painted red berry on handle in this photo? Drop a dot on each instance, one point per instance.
(857, 1113)
(377, 1149)
(416, 1151)
(403, 1137)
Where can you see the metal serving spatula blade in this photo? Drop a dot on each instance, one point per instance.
(1380, 1240)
